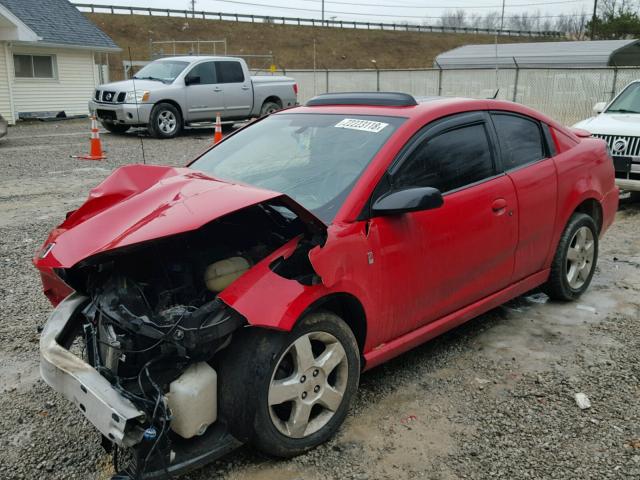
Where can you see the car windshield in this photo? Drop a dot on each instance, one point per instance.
(313, 158)
(628, 101)
(163, 71)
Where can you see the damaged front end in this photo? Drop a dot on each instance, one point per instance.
(136, 345)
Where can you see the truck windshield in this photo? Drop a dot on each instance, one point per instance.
(162, 70)
(628, 101)
(313, 158)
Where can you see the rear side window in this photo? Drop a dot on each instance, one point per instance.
(205, 72)
(449, 160)
(229, 72)
(520, 140)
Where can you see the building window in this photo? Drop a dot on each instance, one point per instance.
(34, 66)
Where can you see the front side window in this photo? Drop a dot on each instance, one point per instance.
(449, 160)
(34, 66)
(520, 140)
(229, 72)
(628, 101)
(202, 74)
(313, 158)
(165, 71)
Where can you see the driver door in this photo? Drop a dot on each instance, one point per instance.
(204, 95)
(441, 260)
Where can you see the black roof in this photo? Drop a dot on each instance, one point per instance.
(59, 22)
(382, 99)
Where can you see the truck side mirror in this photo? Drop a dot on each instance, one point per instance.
(599, 107)
(195, 80)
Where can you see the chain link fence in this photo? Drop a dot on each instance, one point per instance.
(565, 94)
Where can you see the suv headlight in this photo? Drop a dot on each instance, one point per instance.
(137, 96)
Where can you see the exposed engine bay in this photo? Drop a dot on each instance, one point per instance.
(153, 324)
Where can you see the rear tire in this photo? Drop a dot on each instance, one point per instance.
(117, 128)
(269, 107)
(165, 121)
(575, 259)
(286, 393)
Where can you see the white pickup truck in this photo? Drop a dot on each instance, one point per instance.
(169, 94)
(618, 123)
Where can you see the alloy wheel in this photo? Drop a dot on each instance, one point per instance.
(580, 257)
(308, 384)
(167, 122)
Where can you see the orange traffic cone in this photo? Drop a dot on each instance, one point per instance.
(95, 152)
(217, 136)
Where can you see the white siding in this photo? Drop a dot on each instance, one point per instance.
(5, 91)
(70, 91)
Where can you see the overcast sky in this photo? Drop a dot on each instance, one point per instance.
(412, 11)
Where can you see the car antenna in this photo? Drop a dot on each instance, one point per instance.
(135, 97)
(495, 95)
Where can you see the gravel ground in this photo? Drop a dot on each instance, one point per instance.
(491, 399)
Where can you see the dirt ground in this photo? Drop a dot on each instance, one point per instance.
(491, 399)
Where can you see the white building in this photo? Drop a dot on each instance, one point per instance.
(48, 52)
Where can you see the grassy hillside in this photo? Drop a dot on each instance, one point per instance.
(291, 46)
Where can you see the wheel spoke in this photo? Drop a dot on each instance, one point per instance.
(581, 237)
(571, 274)
(330, 398)
(299, 419)
(303, 354)
(284, 390)
(572, 254)
(331, 357)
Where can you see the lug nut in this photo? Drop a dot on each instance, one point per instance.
(304, 395)
(303, 379)
(316, 372)
(316, 389)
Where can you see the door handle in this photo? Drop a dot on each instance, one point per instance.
(499, 206)
(217, 89)
(245, 87)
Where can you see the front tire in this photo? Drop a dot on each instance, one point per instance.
(575, 260)
(165, 121)
(115, 127)
(286, 393)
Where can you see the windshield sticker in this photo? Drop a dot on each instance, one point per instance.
(364, 125)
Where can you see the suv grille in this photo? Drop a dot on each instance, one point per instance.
(97, 95)
(621, 146)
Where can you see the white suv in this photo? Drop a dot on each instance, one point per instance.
(618, 123)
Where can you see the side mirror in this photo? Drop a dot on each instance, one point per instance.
(191, 80)
(414, 199)
(599, 107)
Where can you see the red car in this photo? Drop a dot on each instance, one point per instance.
(239, 299)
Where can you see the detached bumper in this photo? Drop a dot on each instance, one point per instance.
(122, 113)
(111, 413)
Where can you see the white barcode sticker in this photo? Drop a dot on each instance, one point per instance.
(363, 125)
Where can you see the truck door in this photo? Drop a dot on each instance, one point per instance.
(204, 96)
(237, 88)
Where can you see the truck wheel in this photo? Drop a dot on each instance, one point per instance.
(286, 393)
(575, 260)
(115, 127)
(165, 121)
(268, 108)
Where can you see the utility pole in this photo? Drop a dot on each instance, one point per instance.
(193, 8)
(496, 42)
(323, 13)
(594, 19)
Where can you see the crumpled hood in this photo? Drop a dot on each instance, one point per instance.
(619, 124)
(138, 203)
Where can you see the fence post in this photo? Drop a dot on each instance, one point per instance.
(326, 79)
(515, 83)
(615, 80)
(439, 78)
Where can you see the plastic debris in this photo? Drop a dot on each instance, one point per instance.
(586, 308)
(582, 401)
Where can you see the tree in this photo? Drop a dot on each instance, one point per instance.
(454, 18)
(616, 19)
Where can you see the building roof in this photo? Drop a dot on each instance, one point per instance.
(58, 22)
(598, 53)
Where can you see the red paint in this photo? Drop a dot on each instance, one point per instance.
(416, 275)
